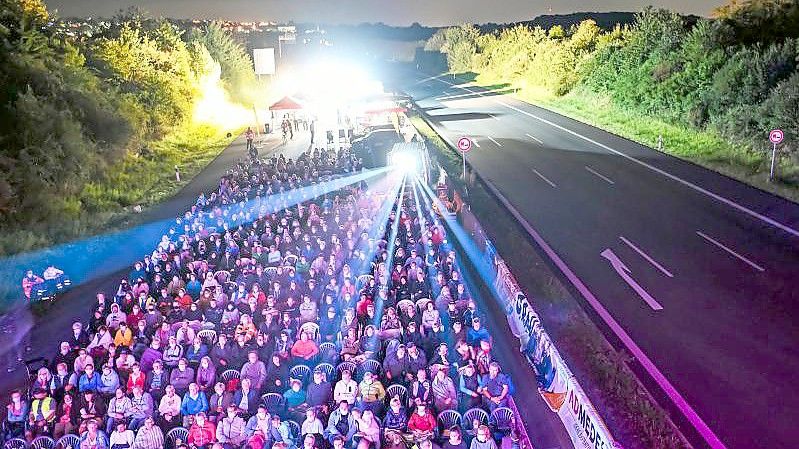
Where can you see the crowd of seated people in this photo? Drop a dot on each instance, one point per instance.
(272, 317)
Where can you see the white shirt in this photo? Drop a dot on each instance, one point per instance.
(345, 391)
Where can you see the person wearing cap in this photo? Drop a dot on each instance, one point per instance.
(395, 364)
(319, 392)
(202, 433)
(371, 393)
(477, 333)
(42, 413)
(109, 381)
(468, 387)
(295, 400)
(416, 360)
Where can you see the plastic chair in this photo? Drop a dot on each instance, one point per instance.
(222, 276)
(326, 368)
(364, 279)
(178, 433)
(397, 390)
(16, 443)
(472, 414)
(230, 374)
(421, 304)
(372, 366)
(42, 442)
(328, 352)
(301, 372)
(208, 336)
(273, 402)
(68, 441)
(312, 329)
(350, 366)
(404, 305)
(448, 419)
(502, 419)
(294, 428)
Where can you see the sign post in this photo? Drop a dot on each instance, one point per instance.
(775, 137)
(464, 145)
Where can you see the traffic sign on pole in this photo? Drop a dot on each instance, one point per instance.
(776, 136)
(464, 144)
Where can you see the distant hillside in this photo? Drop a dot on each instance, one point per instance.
(415, 32)
(605, 20)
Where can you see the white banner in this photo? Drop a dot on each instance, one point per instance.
(264, 61)
(563, 394)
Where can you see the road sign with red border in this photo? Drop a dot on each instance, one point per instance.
(464, 144)
(776, 136)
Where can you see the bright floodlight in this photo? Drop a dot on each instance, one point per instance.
(405, 162)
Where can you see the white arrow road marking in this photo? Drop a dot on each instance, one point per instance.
(495, 142)
(624, 272)
(474, 141)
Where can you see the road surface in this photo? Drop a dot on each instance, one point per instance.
(697, 273)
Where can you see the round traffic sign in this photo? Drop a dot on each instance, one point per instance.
(464, 144)
(776, 136)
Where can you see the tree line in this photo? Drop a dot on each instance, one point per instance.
(70, 107)
(735, 73)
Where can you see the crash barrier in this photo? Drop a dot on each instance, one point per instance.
(556, 383)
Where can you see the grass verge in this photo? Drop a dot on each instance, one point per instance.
(635, 419)
(703, 147)
(140, 179)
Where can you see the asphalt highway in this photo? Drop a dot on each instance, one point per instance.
(694, 272)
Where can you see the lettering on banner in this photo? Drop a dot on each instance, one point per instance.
(584, 425)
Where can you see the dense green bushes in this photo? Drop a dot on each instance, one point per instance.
(77, 113)
(711, 75)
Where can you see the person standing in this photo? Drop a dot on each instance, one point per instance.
(250, 135)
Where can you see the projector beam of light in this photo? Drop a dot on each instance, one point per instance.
(482, 265)
(378, 226)
(392, 238)
(91, 258)
(433, 272)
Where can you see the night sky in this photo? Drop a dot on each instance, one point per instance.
(394, 12)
